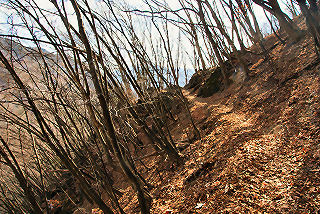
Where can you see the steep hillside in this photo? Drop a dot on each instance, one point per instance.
(259, 151)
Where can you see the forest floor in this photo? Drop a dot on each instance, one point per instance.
(259, 151)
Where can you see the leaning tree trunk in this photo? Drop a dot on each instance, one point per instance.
(287, 27)
(107, 122)
(20, 177)
(286, 24)
(212, 42)
(313, 26)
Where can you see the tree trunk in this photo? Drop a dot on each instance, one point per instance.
(313, 26)
(213, 43)
(286, 24)
(292, 32)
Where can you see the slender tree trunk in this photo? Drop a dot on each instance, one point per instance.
(286, 26)
(196, 41)
(59, 151)
(230, 42)
(107, 122)
(20, 177)
(313, 26)
(213, 43)
(285, 22)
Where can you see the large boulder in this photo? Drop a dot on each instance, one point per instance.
(211, 81)
(197, 80)
(212, 85)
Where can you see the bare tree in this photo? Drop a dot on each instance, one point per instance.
(273, 7)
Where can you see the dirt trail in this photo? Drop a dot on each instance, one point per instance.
(260, 147)
(245, 163)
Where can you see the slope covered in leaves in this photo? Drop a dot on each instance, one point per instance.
(260, 150)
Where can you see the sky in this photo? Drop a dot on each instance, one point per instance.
(8, 16)
(139, 4)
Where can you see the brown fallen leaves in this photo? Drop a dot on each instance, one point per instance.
(263, 138)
